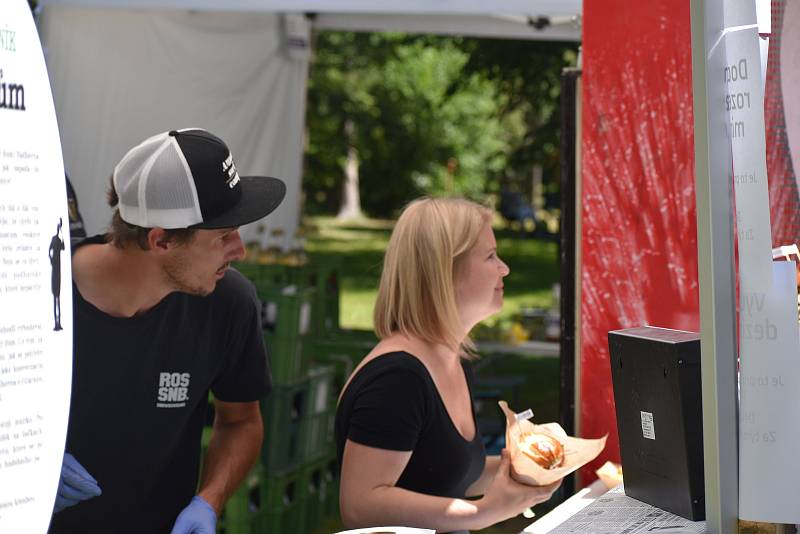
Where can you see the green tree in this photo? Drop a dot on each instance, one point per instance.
(415, 131)
(528, 74)
(428, 115)
(430, 139)
(345, 68)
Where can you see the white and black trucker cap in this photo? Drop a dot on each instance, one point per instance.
(187, 179)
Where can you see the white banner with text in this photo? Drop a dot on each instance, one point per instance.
(35, 281)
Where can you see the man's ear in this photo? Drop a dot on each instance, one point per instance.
(157, 240)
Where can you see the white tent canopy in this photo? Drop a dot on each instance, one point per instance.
(443, 7)
(543, 28)
(120, 76)
(122, 71)
(553, 20)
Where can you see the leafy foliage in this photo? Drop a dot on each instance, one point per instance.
(431, 115)
(529, 75)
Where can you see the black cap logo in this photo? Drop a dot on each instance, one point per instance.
(230, 170)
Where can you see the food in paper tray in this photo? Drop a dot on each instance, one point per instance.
(543, 449)
(525, 468)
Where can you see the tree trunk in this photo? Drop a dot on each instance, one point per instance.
(350, 207)
(537, 187)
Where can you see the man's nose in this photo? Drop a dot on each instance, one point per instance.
(237, 251)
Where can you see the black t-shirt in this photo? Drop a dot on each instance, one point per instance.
(139, 398)
(392, 403)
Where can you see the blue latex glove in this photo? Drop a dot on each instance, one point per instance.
(197, 518)
(75, 485)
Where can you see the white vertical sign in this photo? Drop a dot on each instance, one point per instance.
(35, 281)
(768, 328)
(769, 377)
(744, 105)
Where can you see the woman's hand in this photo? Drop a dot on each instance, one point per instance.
(506, 498)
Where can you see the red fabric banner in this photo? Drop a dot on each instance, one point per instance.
(639, 232)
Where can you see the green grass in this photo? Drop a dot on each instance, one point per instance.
(359, 245)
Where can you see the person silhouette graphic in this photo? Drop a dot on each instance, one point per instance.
(56, 246)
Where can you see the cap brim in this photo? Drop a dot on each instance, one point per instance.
(260, 196)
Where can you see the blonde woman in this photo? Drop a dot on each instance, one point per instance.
(407, 441)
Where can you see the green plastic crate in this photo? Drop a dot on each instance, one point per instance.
(298, 421)
(288, 359)
(318, 436)
(264, 276)
(321, 276)
(343, 351)
(322, 392)
(332, 480)
(318, 488)
(324, 277)
(318, 428)
(243, 511)
(285, 413)
(287, 310)
(285, 498)
(286, 318)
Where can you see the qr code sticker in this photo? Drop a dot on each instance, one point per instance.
(648, 429)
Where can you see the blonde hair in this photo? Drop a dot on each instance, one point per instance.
(416, 296)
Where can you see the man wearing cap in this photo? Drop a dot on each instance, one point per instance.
(159, 321)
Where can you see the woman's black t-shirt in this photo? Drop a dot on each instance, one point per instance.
(392, 403)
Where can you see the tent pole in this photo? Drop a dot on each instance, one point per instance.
(716, 271)
(567, 253)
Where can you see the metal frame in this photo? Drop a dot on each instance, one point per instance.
(568, 244)
(716, 272)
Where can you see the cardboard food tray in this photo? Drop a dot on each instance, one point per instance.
(577, 451)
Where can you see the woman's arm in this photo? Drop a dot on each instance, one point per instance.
(368, 495)
(489, 471)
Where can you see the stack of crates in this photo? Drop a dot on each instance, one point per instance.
(322, 480)
(298, 451)
(286, 496)
(295, 482)
(285, 413)
(286, 319)
(299, 304)
(319, 440)
(298, 421)
(243, 513)
(265, 504)
(343, 350)
(324, 278)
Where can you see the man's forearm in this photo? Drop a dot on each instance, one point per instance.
(234, 447)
